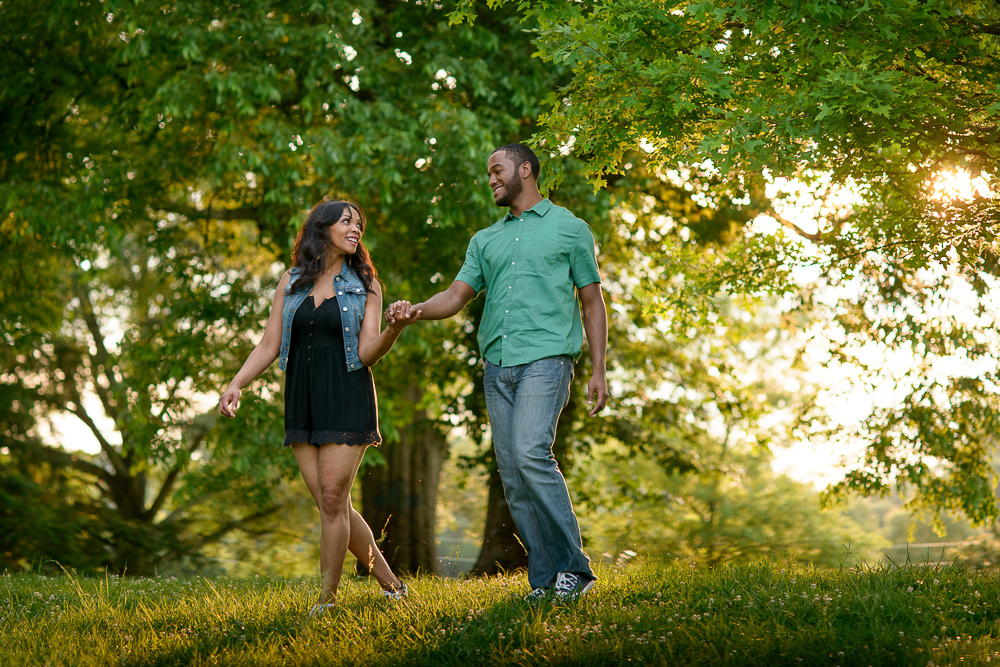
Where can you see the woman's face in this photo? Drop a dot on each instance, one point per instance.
(345, 234)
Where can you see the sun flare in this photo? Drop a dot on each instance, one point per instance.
(959, 184)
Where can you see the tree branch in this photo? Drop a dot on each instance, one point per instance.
(993, 29)
(176, 514)
(116, 459)
(58, 457)
(59, 403)
(197, 430)
(785, 222)
(238, 523)
(102, 359)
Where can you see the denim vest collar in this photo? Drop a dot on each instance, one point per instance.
(351, 297)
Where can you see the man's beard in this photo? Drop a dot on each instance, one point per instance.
(511, 189)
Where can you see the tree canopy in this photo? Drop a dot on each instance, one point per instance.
(156, 162)
(871, 107)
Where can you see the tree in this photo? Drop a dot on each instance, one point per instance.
(736, 388)
(174, 151)
(870, 107)
(648, 363)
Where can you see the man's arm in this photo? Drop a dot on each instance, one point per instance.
(595, 322)
(441, 306)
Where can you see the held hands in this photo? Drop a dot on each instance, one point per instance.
(400, 314)
(229, 401)
(597, 385)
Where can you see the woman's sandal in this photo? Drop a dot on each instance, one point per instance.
(395, 594)
(321, 608)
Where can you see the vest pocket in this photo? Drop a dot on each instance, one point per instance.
(356, 297)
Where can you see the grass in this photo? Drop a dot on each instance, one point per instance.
(644, 613)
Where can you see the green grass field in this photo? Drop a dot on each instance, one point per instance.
(643, 613)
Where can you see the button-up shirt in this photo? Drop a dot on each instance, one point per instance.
(530, 267)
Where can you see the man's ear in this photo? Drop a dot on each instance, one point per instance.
(524, 170)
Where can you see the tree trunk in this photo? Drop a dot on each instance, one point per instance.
(502, 550)
(399, 499)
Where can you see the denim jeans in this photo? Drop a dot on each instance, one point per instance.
(524, 403)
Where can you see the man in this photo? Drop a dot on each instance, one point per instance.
(531, 264)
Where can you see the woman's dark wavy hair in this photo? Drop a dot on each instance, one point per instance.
(309, 251)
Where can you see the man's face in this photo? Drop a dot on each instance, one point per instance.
(505, 180)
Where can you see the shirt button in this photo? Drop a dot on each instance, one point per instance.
(348, 349)
(347, 328)
(345, 309)
(340, 293)
(505, 335)
(512, 263)
(510, 287)
(337, 278)
(517, 239)
(506, 311)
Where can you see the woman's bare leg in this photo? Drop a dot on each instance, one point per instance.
(329, 472)
(358, 537)
(366, 550)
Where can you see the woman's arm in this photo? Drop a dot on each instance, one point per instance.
(373, 345)
(262, 356)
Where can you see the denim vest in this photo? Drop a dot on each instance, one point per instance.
(351, 297)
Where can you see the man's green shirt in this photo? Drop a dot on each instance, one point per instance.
(530, 268)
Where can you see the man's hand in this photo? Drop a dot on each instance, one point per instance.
(597, 385)
(400, 314)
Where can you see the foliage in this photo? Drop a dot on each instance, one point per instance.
(735, 510)
(172, 153)
(763, 613)
(175, 148)
(729, 390)
(143, 330)
(872, 108)
(862, 90)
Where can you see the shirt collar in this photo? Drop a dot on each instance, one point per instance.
(348, 275)
(539, 209)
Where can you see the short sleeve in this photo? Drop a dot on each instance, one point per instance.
(583, 261)
(471, 272)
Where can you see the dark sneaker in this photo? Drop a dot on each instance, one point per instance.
(537, 594)
(571, 586)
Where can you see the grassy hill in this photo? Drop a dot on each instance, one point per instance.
(642, 613)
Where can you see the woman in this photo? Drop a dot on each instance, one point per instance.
(324, 327)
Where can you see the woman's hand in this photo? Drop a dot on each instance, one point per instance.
(229, 401)
(400, 314)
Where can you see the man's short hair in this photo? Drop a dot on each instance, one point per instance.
(519, 154)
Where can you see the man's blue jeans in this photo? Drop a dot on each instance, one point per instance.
(524, 403)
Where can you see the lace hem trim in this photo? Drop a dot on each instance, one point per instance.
(339, 437)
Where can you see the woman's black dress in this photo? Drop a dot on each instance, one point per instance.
(323, 402)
